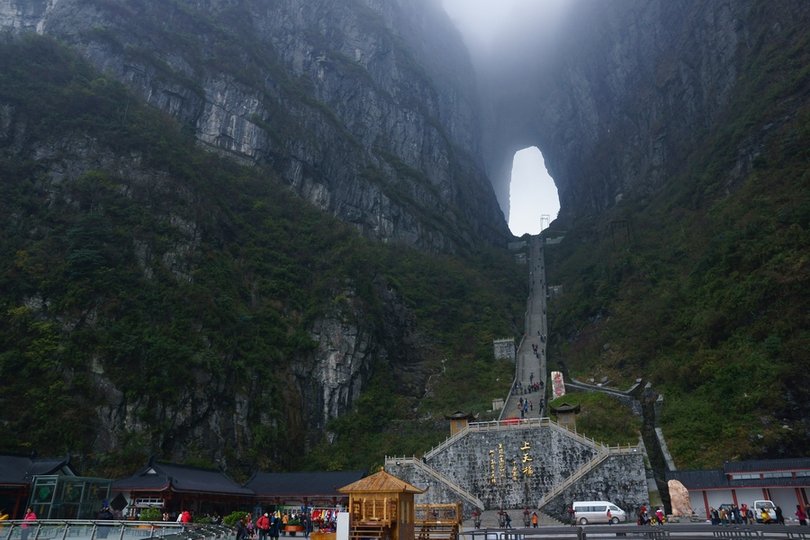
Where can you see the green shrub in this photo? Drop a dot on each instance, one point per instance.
(233, 517)
(151, 514)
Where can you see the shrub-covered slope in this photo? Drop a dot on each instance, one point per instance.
(704, 289)
(158, 299)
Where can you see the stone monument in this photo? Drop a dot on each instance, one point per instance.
(679, 498)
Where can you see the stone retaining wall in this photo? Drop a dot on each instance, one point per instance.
(619, 479)
(515, 467)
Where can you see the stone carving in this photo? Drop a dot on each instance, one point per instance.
(679, 498)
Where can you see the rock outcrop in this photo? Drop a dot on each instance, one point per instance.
(368, 109)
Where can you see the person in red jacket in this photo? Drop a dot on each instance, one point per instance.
(263, 524)
(29, 516)
(800, 514)
(185, 517)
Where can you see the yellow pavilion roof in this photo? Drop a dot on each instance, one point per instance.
(380, 482)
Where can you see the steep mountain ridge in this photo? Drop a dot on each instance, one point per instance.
(356, 113)
(130, 260)
(684, 173)
(628, 91)
(160, 299)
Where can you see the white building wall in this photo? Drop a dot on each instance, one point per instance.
(698, 506)
(718, 497)
(786, 498)
(748, 496)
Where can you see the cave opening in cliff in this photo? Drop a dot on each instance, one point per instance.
(533, 199)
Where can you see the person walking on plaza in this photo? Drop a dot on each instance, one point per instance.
(800, 515)
(534, 520)
(241, 530)
(275, 527)
(105, 514)
(263, 524)
(29, 516)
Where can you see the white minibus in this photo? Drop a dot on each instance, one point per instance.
(597, 512)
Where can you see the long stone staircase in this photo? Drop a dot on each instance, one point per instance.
(444, 480)
(530, 359)
(530, 372)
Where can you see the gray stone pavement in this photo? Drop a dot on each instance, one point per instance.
(530, 362)
(489, 519)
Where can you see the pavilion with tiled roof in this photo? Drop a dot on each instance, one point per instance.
(17, 474)
(312, 489)
(786, 482)
(174, 488)
(381, 506)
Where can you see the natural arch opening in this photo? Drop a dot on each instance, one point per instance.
(533, 199)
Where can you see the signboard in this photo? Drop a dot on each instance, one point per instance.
(504, 349)
(557, 384)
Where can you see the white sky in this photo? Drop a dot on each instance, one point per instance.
(481, 22)
(532, 193)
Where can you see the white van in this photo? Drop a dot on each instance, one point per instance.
(768, 507)
(597, 512)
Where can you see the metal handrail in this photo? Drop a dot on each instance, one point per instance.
(452, 485)
(568, 482)
(101, 529)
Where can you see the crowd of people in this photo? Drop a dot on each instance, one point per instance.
(649, 517)
(273, 524)
(731, 514)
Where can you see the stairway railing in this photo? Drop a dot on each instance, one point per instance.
(568, 482)
(430, 471)
(602, 455)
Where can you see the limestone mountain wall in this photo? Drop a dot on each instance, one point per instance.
(367, 109)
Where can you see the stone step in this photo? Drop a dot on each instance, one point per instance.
(489, 519)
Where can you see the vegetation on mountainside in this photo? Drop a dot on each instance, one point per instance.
(603, 418)
(161, 273)
(706, 289)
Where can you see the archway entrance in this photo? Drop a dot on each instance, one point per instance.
(533, 198)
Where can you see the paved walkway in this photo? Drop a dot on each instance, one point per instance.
(489, 519)
(530, 363)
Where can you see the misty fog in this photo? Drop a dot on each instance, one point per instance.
(498, 35)
(533, 199)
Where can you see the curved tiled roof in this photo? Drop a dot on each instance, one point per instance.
(21, 469)
(158, 476)
(301, 484)
(380, 482)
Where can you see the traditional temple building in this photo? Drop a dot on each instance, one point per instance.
(17, 476)
(566, 415)
(381, 506)
(459, 421)
(302, 489)
(174, 488)
(786, 482)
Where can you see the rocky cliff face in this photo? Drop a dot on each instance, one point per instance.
(621, 93)
(348, 101)
(365, 107)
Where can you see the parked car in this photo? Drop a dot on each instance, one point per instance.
(597, 512)
(768, 507)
